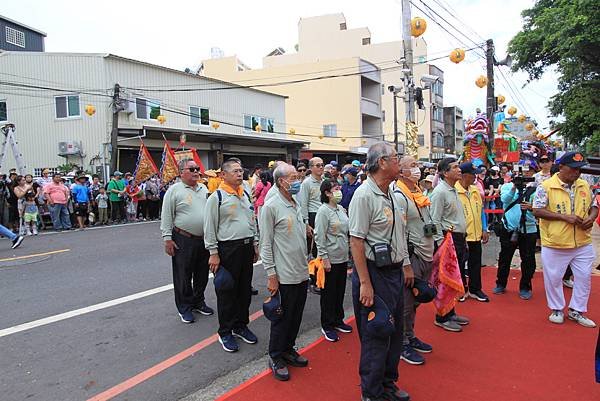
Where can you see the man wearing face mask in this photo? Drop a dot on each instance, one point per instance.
(420, 230)
(283, 254)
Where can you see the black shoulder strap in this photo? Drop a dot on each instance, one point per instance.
(219, 206)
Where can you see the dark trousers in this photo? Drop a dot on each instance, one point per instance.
(153, 209)
(142, 208)
(460, 246)
(379, 356)
(116, 211)
(233, 305)
(190, 271)
(284, 332)
(332, 296)
(526, 246)
(473, 267)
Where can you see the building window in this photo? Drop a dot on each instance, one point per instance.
(15, 37)
(147, 109)
(438, 140)
(366, 41)
(343, 26)
(383, 115)
(198, 116)
(421, 140)
(330, 130)
(438, 114)
(3, 113)
(67, 106)
(438, 88)
(266, 124)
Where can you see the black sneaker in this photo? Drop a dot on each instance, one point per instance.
(228, 343)
(246, 335)
(204, 309)
(314, 289)
(479, 295)
(187, 317)
(394, 393)
(409, 355)
(17, 242)
(420, 346)
(343, 328)
(279, 369)
(293, 358)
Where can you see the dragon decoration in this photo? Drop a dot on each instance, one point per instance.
(476, 144)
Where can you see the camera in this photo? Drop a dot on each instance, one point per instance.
(429, 230)
(519, 179)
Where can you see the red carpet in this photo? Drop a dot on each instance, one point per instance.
(509, 352)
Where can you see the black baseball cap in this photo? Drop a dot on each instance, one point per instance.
(468, 168)
(573, 160)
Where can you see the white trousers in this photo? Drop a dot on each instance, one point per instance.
(555, 262)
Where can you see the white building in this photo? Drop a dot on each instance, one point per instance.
(45, 95)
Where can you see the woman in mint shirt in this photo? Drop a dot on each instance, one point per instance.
(331, 239)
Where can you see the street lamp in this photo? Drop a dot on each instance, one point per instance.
(395, 90)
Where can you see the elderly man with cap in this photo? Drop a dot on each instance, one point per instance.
(116, 193)
(309, 199)
(420, 230)
(477, 233)
(382, 270)
(81, 200)
(283, 254)
(447, 214)
(231, 237)
(350, 185)
(182, 227)
(567, 210)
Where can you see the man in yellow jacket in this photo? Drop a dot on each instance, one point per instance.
(567, 211)
(477, 233)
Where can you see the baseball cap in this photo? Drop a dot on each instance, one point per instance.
(223, 280)
(118, 173)
(495, 168)
(380, 322)
(429, 178)
(573, 160)
(355, 163)
(423, 291)
(468, 168)
(272, 307)
(351, 170)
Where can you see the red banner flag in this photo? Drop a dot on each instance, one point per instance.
(189, 154)
(145, 167)
(169, 169)
(445, 276)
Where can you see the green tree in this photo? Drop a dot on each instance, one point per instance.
(564, 35)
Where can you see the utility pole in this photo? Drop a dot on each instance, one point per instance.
(114, 154)
(395, 122)
(491, 98)
(409, 98)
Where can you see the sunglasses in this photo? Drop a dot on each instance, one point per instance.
(544, 160)
(301, 170)
(193, 169)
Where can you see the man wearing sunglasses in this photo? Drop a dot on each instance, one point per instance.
(182, 226)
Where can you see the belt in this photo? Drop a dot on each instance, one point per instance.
(393, 266)
(186, 234)
(242, 241)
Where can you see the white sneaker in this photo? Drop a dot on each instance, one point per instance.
(568, 283)
(29, 232)
(35, 231)
(557, 316)
(579, 318)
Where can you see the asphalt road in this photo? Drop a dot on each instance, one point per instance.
(81, 356)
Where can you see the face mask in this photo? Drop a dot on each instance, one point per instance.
(337, 196)
(415, 174)
(294, 187)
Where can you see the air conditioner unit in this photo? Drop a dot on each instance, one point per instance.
(127, 105)
(69, 148)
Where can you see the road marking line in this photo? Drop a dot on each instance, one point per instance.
(34, 255)
(81, 311)
(161, 366)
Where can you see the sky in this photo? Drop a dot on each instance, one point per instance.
(179, 34)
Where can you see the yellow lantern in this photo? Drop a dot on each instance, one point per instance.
(418, 26)
(216, 125)
(161, 119)
(512, 110)
(481, 81)
(258, 128)
(343, 139)
(457, 55)
(90, 110)
(501, 99)
(320, 136)
(521, 118)
(292, 131)
(529, 126)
